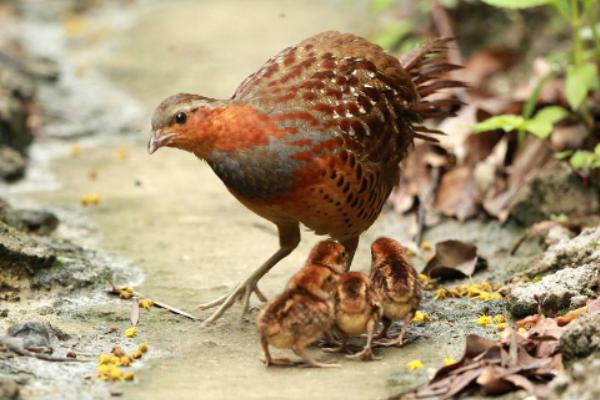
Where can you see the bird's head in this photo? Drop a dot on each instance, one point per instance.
(330, 254)
(385, 250)
(180, 121)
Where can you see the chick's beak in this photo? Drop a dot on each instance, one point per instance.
(157, 141)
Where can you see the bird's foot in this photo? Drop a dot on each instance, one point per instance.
(396, 342)
(280, 362)
(241, 292)
(365, 355)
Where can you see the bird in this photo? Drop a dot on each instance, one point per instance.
(395, 280)
(357, 311)
(314, 137)
(305, 310)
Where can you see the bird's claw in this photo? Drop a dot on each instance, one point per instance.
(364, 355)
(241, 292)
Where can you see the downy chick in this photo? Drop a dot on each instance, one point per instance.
(357, 311)
(305, 310)
(396, 281)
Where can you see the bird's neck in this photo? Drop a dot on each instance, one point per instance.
(229, 128)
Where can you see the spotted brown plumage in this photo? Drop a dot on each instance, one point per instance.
(305, 310)
(314, 137)
(397, 283)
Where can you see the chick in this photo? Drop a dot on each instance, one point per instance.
(357, 311)
(305, 310)
(396, 281)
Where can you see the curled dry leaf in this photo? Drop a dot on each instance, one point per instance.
(454, 259)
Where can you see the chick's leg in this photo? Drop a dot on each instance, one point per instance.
(366, 354)
(270, 360)
(289, 237)
(398, 341)
(310, 362)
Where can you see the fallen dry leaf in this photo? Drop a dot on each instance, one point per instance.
(454, 259)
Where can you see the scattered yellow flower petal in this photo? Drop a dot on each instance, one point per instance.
(90, 199)
(501, 326)
(483, 296)
(425, 246)
(421, 317)
(128, 376)
(414, 364)
(136, 354)
(143, 347)
(146, 304)
(123, 153)
(114, 373)
(131, 332)
(484, 320)
(423, 278)
(75, 150)
(441, 293)
(104, 359)
(485, 285)
(125, 295)
(448, 361)
(522, 330)
(125, 361)
(498, 319)
(495, 296)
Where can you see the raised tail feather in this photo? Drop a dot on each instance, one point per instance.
(428, 67)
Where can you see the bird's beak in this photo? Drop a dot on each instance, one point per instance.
(157, 141)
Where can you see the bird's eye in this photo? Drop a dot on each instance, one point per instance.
(180, 118)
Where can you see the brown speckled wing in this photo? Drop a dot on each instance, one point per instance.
(340, 86)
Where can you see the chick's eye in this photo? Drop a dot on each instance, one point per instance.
(180, 118)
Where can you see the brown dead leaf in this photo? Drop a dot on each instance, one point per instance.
(454, 259)
(456, 194)
(485, 63)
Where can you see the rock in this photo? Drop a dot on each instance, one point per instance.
(41, 222)
(581, 384)
(33, 334)
(558, 233)
(22, 252)
(552, 191)
(581, 337)
(555, 293)
(576, 278)
(9, 389)
(12, 164)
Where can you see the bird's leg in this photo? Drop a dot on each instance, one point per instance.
(289, 237)
(310, 362)
(398, 341)
(338, 346)
(350, 245)
(366, 354)
(386, 325)
(270, 360)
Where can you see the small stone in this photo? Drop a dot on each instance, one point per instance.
(12, 164)
(581, 337)
(33, 334)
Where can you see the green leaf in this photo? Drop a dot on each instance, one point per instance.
(539, 128)
(517, 3)
(584, 159)
(505, 122)
(551, 114)
(580, 79)
(378, 6)
(535, 95)
(597, 149)
(561, 155)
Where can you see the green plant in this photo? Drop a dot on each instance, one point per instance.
(580, 70)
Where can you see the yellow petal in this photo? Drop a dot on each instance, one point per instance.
(448, 361)
(131, 332)
(414, 364)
